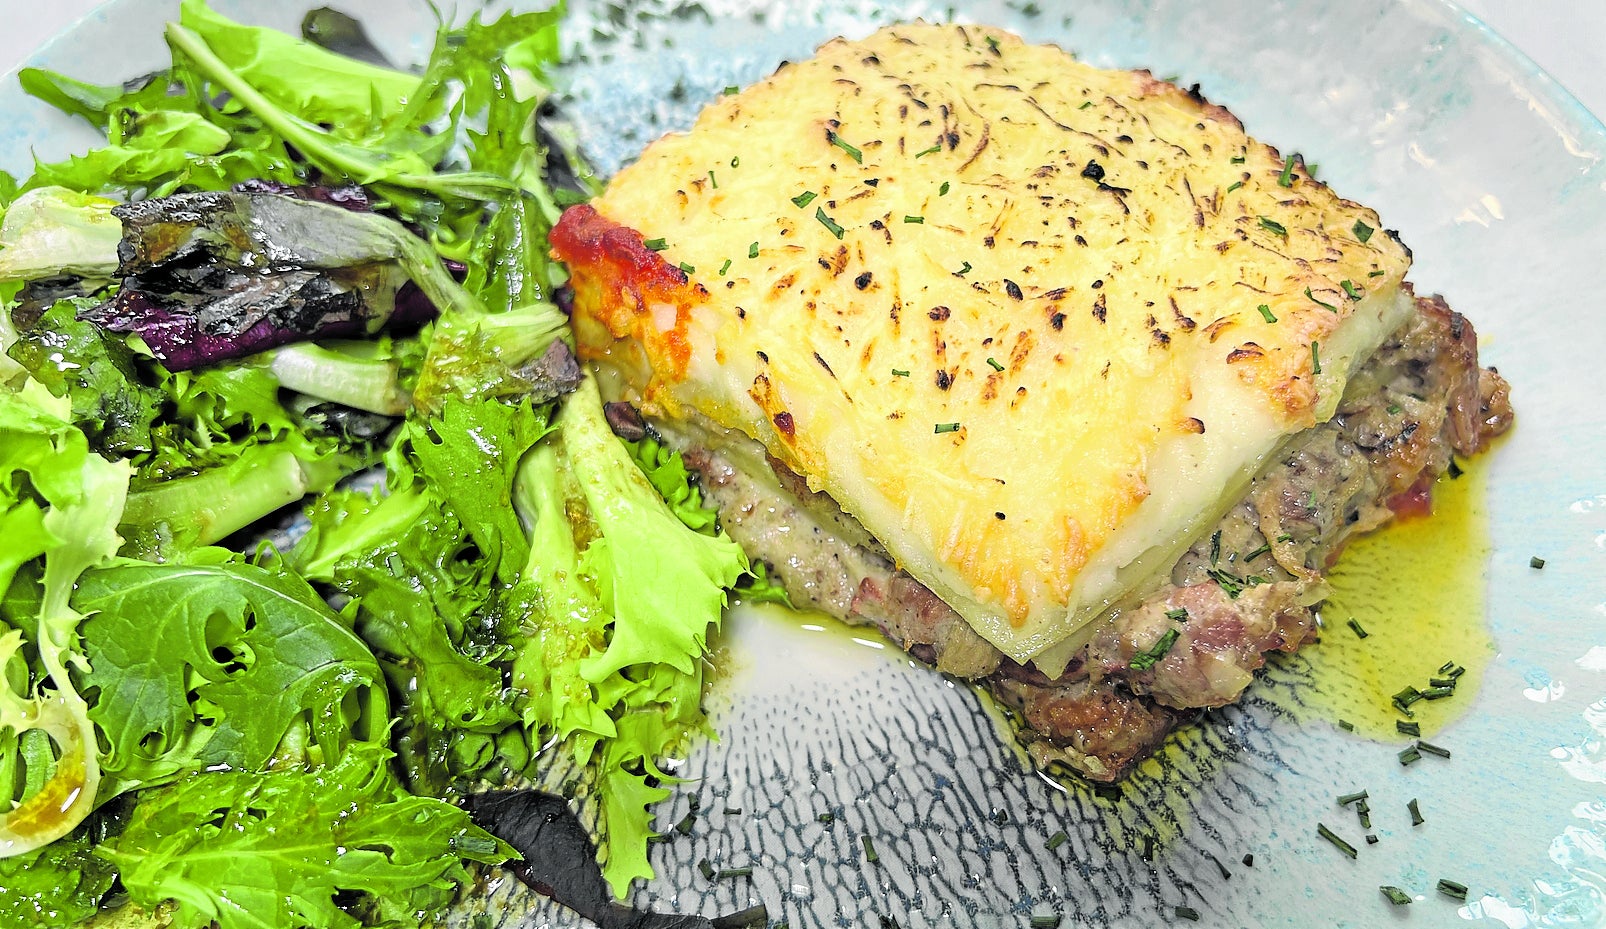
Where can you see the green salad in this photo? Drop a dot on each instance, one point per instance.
(310, 524)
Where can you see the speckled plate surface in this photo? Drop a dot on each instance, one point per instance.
(1494, 177)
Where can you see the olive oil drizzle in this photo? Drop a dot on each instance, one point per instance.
(1417, 589)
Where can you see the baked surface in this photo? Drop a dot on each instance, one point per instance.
(1016, 332)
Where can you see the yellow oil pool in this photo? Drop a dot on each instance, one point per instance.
(1417, 589)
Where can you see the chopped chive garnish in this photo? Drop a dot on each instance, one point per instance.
(1188, 913)
(946, 427)
(1441, 681)
(993, 363)
(1180, 614)
(1225, 874)
(1536, 563)
(1346, 725)
(1338, 843)
(839, 142)
(869, 849)
(1350, 290)
(825, 818)
(1265, 313)
(1394, 409)
(1275, 227)
(1249, 859)
(731, 89)
(1409, 755)
(1362, 231)
(1286, 179)
(932, 150)
(1315, 358)
(1319, 302)
(1085, 104)
(706, 869)
(899, 372)
(1445, 668)
(992, 43)
(1234, 186)
(1215, 547)
(914, 219)
(689, 269)
(1437, 693)
(964, 270)
(1364, 814)
(684, 826)
(1396, 896)
(752, 250)
(1045, 921)
(1256, 553)
(1146, 660)
(1371, 838)
(1356, 628)
(828, 222)
(733, 811)
(1347, 799)
(1057, 839)
(1237, 159)
(804, 199)
(1432, 749)
(736, 161)
(712, 181)
(1374, 274)
(1451, 888)
(745, 871)
(1454, 470)
(1406, 728)
(724, 267)
(943, 190)
(656, 245)
(1416, 813)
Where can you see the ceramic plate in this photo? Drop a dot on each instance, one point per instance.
(1494, 178)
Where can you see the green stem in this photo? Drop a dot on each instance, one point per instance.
(325, 374)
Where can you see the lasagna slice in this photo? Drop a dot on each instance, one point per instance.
(1050, 372)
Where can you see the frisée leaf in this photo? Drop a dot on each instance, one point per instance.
(245, 850)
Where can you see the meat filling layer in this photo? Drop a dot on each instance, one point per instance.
(1249, 587)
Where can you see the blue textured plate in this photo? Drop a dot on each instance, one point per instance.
(1494, 177)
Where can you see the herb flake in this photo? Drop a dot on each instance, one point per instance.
(1286, 179)
(839, 142)
(828, 222)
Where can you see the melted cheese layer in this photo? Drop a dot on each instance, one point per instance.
(1034, 324)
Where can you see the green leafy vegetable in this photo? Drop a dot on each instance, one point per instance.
(245, 850)
(348, 95)
(55, 232)
(60, 884)
(60, 500)
(212, 664)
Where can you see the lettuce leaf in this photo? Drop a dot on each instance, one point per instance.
(206, 664)
(64, 501)
(282, 849)
(348, 95)
(627, 594)
(663, 583)
(58, 885)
